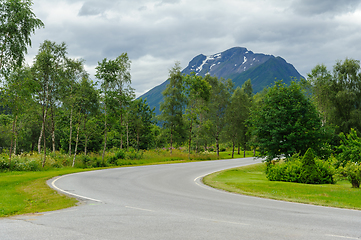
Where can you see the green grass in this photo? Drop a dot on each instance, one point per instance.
(251, 180)
(27, 192)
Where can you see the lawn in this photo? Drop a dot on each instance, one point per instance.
(27, 192)
(251, 180)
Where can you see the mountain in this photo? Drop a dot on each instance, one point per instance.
(238, 64)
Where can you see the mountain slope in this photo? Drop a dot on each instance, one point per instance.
(238, 64)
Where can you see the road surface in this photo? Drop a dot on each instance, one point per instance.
(170, 202)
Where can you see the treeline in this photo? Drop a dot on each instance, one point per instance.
(202, 111)
(54, 106)
(280, 121)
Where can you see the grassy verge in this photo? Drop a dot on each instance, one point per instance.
(251, 180)
(27, 192)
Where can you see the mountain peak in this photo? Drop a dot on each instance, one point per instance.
(237, 59)
(238, 64)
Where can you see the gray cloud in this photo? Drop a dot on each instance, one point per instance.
(328, 7)
(157, 33)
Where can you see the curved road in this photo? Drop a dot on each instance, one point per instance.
(169, 202)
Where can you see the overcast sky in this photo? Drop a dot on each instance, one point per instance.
(157, 33)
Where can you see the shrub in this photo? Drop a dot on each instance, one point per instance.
(350, 148)
(306, 170)
(132, 154)
(4, 165)
(353, 173)
(285, 171)
(120, 154)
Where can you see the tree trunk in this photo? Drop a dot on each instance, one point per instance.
(76, 144)
(244, 150)
(86, 136)
(127, 135)
(217, 146)
(71, 128)
(138, 138)
(12, 139)
(121, 132)
(171, 140)
(44, 160)
(190, 140)
(52, 129)
(105, 136)
(233, 149)
(42, 131)
(45, 111)
(86, 144)
(239, 149)
(15, 135)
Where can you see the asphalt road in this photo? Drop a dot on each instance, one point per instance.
(169, 202)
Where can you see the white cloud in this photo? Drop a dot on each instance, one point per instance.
(156, 33)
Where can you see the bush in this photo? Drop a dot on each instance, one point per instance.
(4, 165)
(120, 154)
(132, 154)
(353, 173)
(350, 148)
(306, 170)
(285, 171)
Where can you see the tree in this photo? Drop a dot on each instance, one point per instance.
(286, 123)
(197, 91)
(218, 103)
(73, 75)
(246, 106)
(139, 123)
(237, 113)
(16, 94)
(115, 87)
(173, 106)
(48, 72)
(17, 23)
(338, 95)
(87, 104)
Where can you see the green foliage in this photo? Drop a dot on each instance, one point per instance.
(215, 117)
(132, 154)
(237, 114)
(17, 23)
(348, 158)
(338, 95)
(285, 123)
(23, 165)
(172, 108)
(349, 149)
(120, 154)
(352, 171)
(307, 169)
(286, 172)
